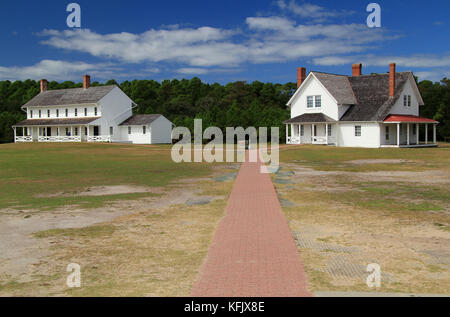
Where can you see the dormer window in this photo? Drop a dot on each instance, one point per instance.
(409, 101)
(314, 101)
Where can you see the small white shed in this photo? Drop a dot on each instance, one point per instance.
(146, 129)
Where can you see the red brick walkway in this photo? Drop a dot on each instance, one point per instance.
(253, 253)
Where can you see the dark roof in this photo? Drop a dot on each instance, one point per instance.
(367, 95)
(54, 122)
(141, 119)
(310, 118)
(338, 86)
(372, 94)
(65, 97)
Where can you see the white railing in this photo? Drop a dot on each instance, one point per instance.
(59, 139)
(100, 138)
(24, 139)
(319, 140)
(293, 140)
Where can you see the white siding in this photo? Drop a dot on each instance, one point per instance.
(370, 135)
(161, 131)
(312, 87)
(399, 107)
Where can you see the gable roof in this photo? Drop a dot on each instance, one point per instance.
(66, 97)
(367, 95)
(141, 119)
(372, 93)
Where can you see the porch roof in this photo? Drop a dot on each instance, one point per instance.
(55, 122)
(397, 118)
(310, 118)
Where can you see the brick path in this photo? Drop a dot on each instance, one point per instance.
(253, 253)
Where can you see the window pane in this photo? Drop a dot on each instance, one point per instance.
(310, 102)
(318, 101)
(358, 130)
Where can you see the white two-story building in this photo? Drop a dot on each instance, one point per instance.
(89, 114)
(378, 110)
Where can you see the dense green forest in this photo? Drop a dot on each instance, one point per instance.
(235, 104)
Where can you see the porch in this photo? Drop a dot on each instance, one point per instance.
(59, 134)
(408, 132)
(317, 133)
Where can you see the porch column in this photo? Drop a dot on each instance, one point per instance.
(23, 131)
(326, 132)
(407, 134)
(58, 131)
(417, 134)
(71, 131)
(434, 134)
(398, 134)
(15, 140)
(80, 133)
(312, 132)
(287, 133)
(426, 133)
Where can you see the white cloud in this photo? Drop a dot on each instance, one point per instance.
(192, 71)
(416, 61)
(311, 11)
(63, 70)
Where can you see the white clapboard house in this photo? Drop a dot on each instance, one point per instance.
(378, 110)
(89, 114)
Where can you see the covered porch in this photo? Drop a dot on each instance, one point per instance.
(311, 129)
(408, 132)
(61, 131)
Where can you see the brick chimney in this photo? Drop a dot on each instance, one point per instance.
(356, 70)
(86, 81)
(301, 76)
(43, 85)
(392, 80)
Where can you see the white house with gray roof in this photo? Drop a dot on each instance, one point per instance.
(372, 111)
(89, 114)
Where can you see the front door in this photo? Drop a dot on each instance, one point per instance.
(96, 131)
(49, 132)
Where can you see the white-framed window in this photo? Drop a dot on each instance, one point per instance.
(40, 113)
(57, 113)
(111, 130)
(85, 131)
(85, 112)
(67, 132)
(409, 101)
(95, 111)
(330, 130)
(76, 112)
(302, 130)
(76, 131)
(358, 130)
(129, 130)
(31, 114)
(388, 133)
(48, 113)
(144, 129)
(67, 113)
(405, 100)
(310, 101)
(318, 101)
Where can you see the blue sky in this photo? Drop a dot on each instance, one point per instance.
(220, 41)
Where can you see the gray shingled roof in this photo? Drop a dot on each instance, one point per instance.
(141, 119)
(338, 86)
(55, 122)
(372, 93)
(74, 96)
(310, 118)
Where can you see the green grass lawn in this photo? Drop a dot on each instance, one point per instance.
(29, 172)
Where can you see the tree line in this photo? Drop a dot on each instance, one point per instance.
(235, 104)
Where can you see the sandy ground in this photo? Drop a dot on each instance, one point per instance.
(337, 240)
(20, 251)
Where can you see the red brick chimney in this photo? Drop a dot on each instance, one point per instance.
(301, 76)
(356, 70)
(392, 80)
(86, 81)
(43, 85)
